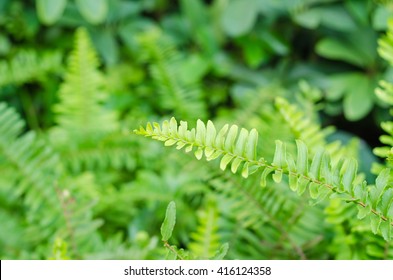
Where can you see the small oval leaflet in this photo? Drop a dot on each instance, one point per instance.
(169, 221)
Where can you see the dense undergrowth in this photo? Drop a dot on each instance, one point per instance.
(289, 102)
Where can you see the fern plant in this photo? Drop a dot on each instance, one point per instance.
(385, 93)
(33, 181)
(319, 176)
(82, 117)
(177, 93)
(28, 65)
(82, 93)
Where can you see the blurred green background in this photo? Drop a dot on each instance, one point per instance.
(77, 76)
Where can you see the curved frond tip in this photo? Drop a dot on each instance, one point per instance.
(234, 147)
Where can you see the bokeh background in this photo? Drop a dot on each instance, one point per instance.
(77, 76)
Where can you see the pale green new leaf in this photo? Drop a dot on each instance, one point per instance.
(220, 139)
(380, 185)
(226, 159)
(252, 144)
(316, 164)
(349, 171)
(231, 137)
(200, 133)
(210, 134)
(302, 157)
(241, 142)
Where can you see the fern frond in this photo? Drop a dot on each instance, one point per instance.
(385, 44)
(28, 65)
(80, 113)
(257, 209)
(27, 155)
(319, 176)
(385, 93)
(11, 244)
(88, 135)
(305, 129)
(302, 127)
(353, 239)
(113, 151)
(176, 93)
(80, 227)
(33, 170)
(205, 240)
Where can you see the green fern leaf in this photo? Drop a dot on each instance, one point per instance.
(322, 179)
(29, 65)
(205, 241)
(80, 114)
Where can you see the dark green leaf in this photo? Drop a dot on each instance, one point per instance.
(335, 49)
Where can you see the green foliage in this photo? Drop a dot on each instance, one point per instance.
(81, 115)
(94, 12)
(169, 222)
(319, 176)
(206, 241)
(291, 76)
(178, 92)
(49, 12)
(59, 250)
(28, 65)
(47, 203)
(82, 93)
(385, 93)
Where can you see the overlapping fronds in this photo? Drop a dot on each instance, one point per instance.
(33, 182)
(30, 169)
(177, 94)
(251, 210)
(77, 200)
(28, 65)
(113, 151)
(80, 112)
(353, 239)
(88, 135)
(317, 174)
(301, 126)
(30, 157)
(306, 130)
